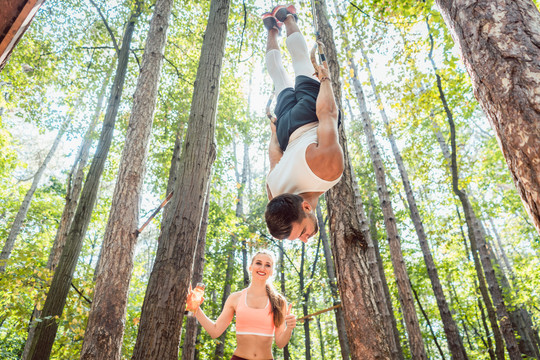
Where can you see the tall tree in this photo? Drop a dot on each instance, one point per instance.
(286, 353)
(350, 234)
(192, 325)
(476, 235)
(61, 282)
(526, 342)
(499, 45)
(105, 328)
(455, 344)
(482, 286)
(241, 180)
(76, 178)
(74, 186)
(400, 271)
(25, 205)
(162, 311)
(331, 272)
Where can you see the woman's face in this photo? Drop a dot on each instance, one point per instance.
(262, 267)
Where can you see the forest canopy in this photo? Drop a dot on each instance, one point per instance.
(416, 132)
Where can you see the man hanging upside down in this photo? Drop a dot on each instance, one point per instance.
(306, 158)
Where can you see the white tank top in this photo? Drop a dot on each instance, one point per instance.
(292, 173)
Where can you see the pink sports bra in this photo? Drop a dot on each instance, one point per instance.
(250, 321)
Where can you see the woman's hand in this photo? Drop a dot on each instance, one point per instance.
(290, 319)
(193, 301)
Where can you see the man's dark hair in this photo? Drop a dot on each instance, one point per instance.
(281, 212)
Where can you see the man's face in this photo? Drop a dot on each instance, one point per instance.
(304, 229)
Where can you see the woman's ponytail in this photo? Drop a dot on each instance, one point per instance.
(277, 302)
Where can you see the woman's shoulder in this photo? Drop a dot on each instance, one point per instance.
(234, 297)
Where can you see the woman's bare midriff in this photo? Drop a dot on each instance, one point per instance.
(254, 347)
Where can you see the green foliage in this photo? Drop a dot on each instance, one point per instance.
(58, 68)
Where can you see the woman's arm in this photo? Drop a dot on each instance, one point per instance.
(215, 329)
(284, 332)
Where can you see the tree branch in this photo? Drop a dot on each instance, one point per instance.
(177, 71)
(243, 29)
(107, 27)
(81, 294)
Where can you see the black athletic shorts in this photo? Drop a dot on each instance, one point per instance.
(295, 108)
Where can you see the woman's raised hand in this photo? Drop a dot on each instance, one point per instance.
(194, 300)
(290, 319)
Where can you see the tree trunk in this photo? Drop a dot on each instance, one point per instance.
(478, 242)
(385, 306)
(400, 270)
(286, 354)
(192, 325)
(106, 321)
(25, 206)
(340, 321)
(245, 263)
(321, 338)
(441, 353)
(56, 298)
(241, 180)
(492, 354)
(220, 346)
(75, 182)
(163, 307)
(476, 235)
(350, 235)
(173, 171)
(305, 310)
(502, 251)
(492, 316)
(526, 343)
(454, 341)
(499, 44)
(76, 179)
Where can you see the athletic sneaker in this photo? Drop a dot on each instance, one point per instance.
(270, 22)
(280, 12)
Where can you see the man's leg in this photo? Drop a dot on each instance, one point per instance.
(296, 43)
(274, 64)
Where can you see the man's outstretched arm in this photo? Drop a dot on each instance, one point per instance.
(274, 151)
(326, 160)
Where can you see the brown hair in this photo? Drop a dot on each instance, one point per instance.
(277, 301)
(281, 212)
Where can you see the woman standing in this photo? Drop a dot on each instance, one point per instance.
(261, 313)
